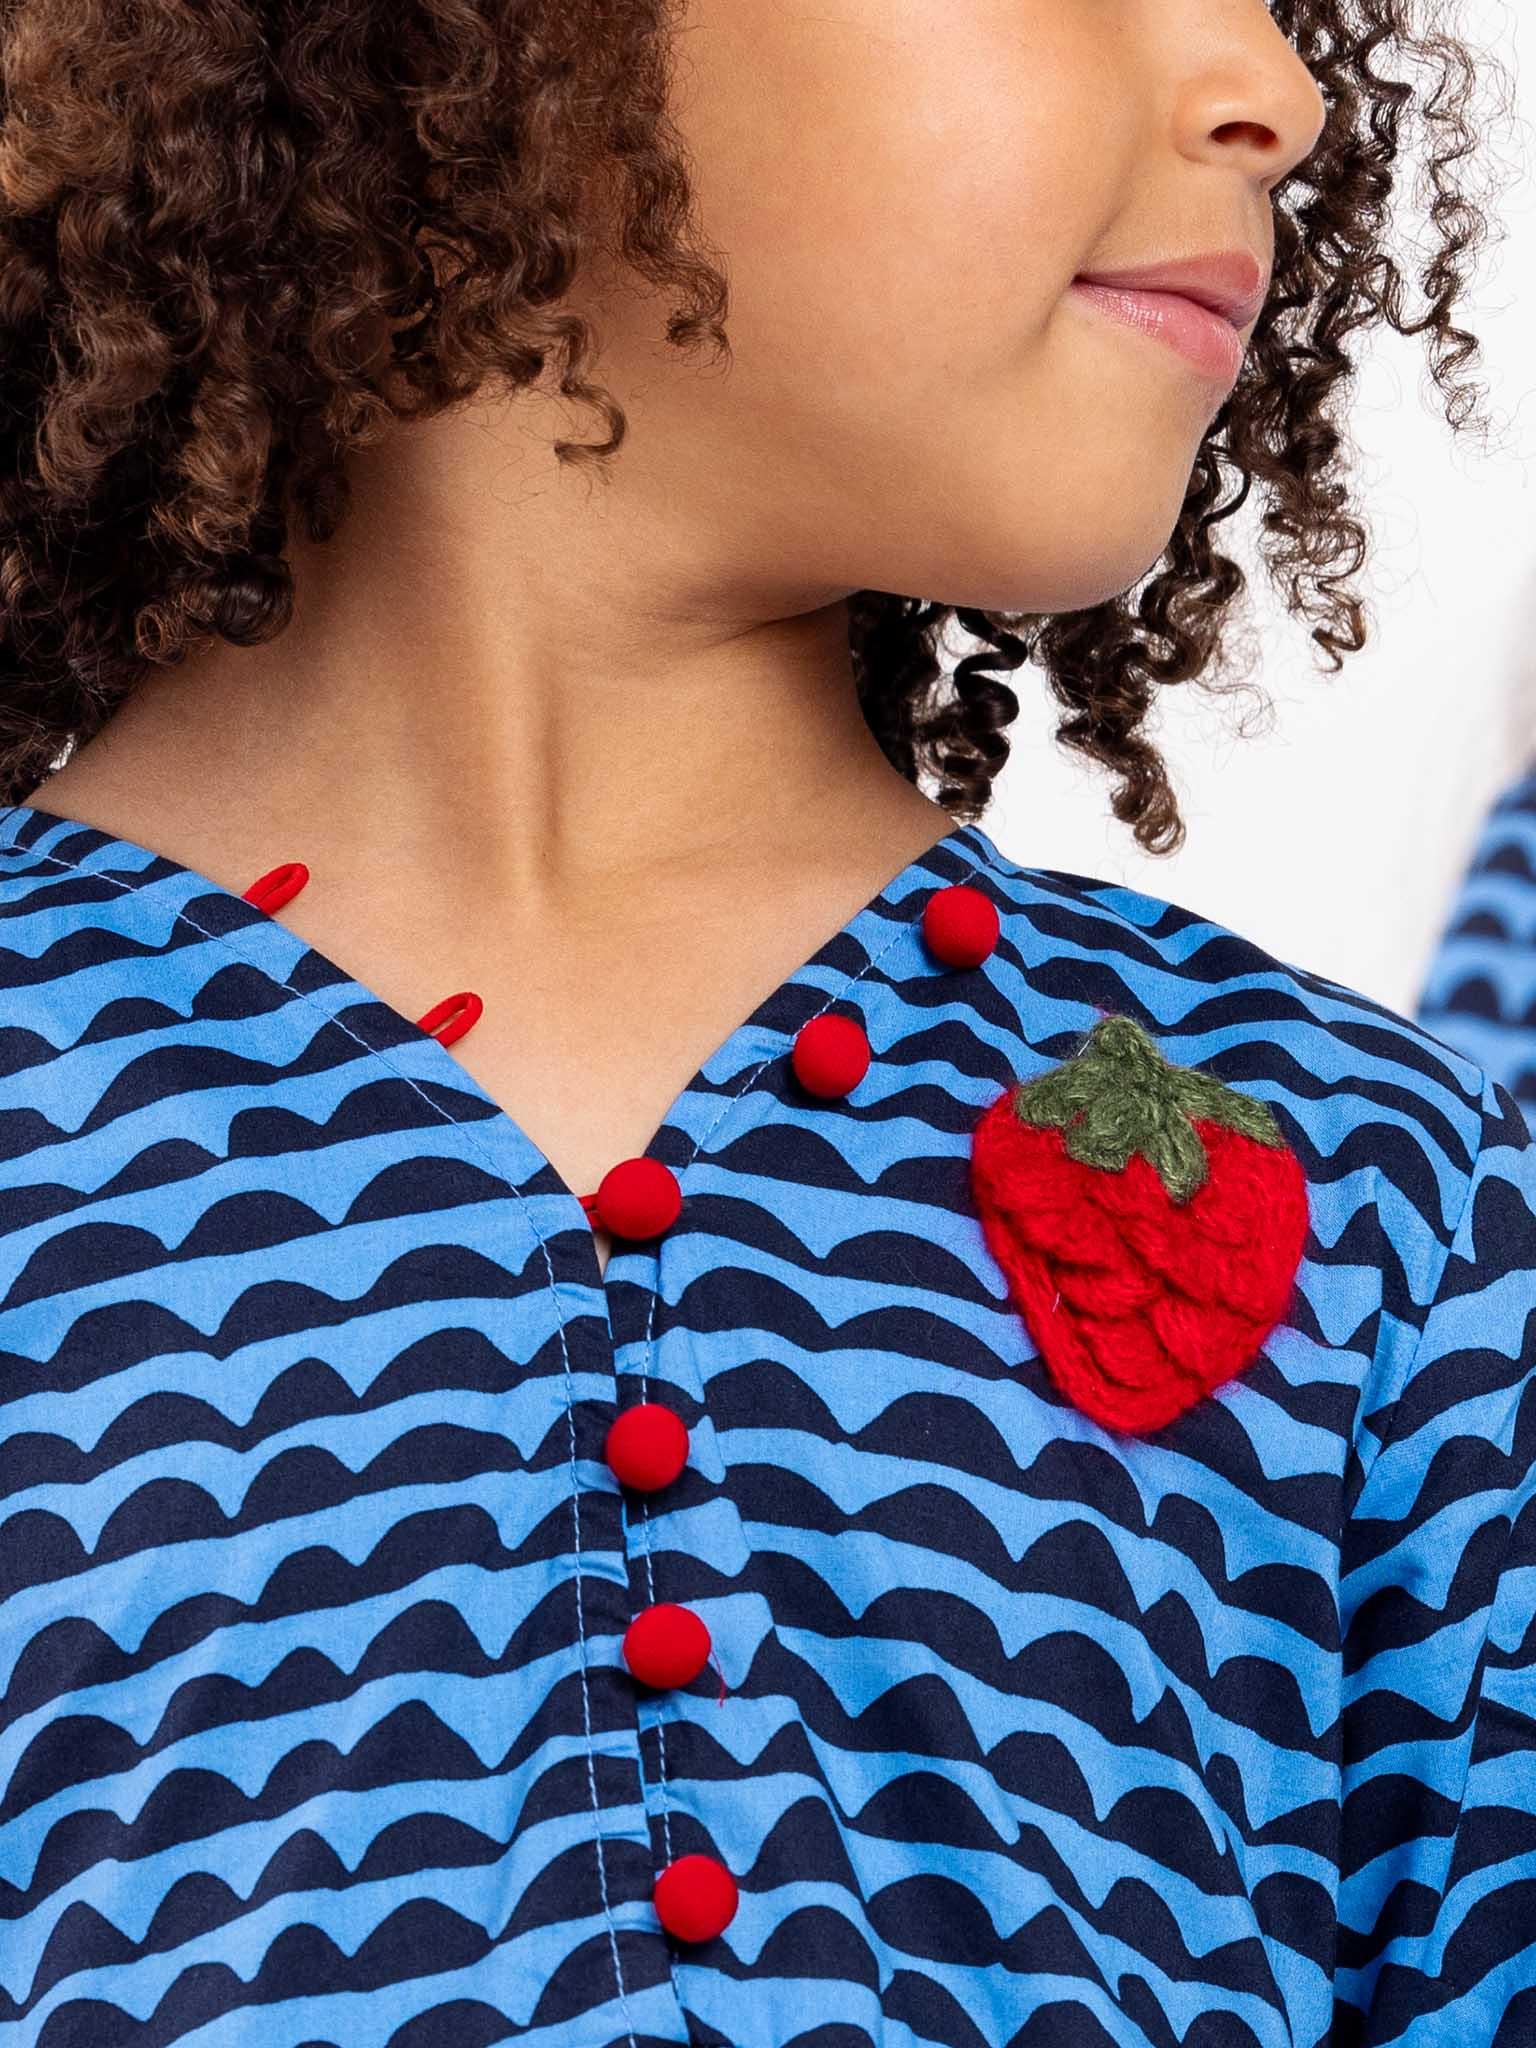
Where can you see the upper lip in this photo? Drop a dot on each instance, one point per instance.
(1232, 282)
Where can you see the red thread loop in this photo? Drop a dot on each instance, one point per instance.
(721, 1675)
(589, 1203)
(279, 885)
(462, 1009)
(445, 1021)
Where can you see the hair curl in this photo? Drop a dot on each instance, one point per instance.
(211, 214)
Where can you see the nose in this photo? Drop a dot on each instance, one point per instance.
(1252, 101)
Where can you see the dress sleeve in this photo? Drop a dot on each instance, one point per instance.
(1436, 1902)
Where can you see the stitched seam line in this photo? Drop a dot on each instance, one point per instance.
(137, 889)
(728, 1104)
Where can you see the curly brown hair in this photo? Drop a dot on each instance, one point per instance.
(210, 215)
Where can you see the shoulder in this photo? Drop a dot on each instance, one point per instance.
(59, 877)
(1191, 979)
(128, 979)
(1393, 1127)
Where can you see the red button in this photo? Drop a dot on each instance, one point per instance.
(666, 1645)
(960, 925)
(646, 1447)
(638, 1198)
(830, 1055)
(695, 1898)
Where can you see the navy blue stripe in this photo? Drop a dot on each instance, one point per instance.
(314, 1730)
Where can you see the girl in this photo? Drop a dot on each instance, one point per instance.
(650, 1394)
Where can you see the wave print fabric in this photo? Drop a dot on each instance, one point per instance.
(315, 1729)
(1480, 992)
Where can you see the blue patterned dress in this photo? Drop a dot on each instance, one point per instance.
(1480, 994)
(314, 1575)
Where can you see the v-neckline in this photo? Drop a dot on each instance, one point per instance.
(288, 960)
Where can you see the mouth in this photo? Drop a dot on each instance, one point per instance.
(1233, 282)
(1205, 339)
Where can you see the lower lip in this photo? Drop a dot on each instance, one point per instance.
(1203, 338)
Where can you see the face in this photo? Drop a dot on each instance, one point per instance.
(900, 193)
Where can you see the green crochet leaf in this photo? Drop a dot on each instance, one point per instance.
(1119, 1096)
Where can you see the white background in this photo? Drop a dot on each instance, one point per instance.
(1337, 837)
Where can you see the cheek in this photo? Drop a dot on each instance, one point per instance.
(907, 174)
(899, 237)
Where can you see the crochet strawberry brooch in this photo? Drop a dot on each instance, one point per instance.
(1149, 1219)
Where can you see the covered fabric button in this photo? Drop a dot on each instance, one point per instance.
(960, 925)
(666, 1645)
(695, 1898)
(646, 1447)
(831, 1054)
(638, 1198)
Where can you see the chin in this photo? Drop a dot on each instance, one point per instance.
(1065, 551)
(1077, 588)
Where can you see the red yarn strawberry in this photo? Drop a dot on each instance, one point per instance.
(1150, 1221)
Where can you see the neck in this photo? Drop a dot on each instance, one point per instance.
(496, 665)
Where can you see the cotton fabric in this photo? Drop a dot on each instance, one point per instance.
(315, 1722)
(1480, 992)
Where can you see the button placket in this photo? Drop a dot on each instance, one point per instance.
(665, 1645)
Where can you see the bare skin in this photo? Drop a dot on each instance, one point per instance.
(593, 750)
